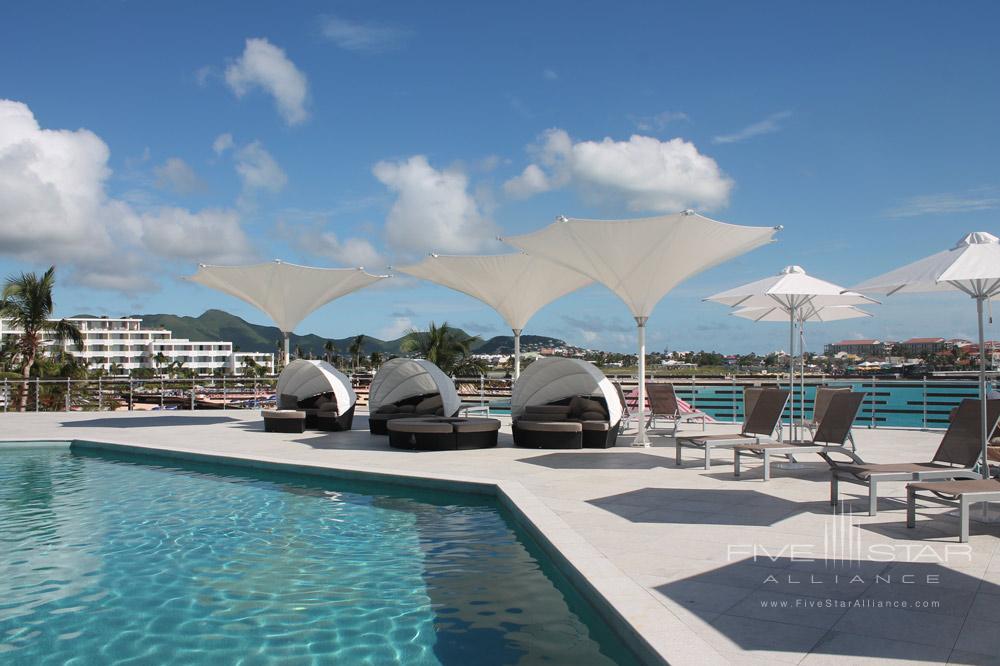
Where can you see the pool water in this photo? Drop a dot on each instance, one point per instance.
(108, 559)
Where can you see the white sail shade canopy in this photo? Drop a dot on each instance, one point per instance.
(515, 285)
(287, 293)
(305, 379)
(402, 378)
(972, 267)
(796, 297)
(642, 259)
(554, 378)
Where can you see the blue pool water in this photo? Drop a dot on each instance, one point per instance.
(110, 560)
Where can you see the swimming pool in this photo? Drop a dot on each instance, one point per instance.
(110, 559)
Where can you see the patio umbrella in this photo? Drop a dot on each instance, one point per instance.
(642, 259)
(287, 293)
(972, 267)
(796, 295)
(515, 285)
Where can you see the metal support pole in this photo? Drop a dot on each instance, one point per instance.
(733, 396)
(791, 373)
(6, 394)
(874, 386)
(192, 398)
(37, 392)
(482, 390)
(641, 439)
(130, 400)
(69, 392)
(161, 392)
(924, 420)
(224, 402)
(517, 353)
(983, 428)
(100, 394)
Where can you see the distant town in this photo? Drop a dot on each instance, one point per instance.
(133, 346)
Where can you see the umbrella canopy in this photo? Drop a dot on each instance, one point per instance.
(972, 267)
(807, 313)
(515, 285)
(790, 288)
(304, 379)
(640, 260)
(554, 378)
(402, 378)
(287, 293)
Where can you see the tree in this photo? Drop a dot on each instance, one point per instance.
(376, 360)
(356, 349)
(27, 302)
(446, 347)
(159, 360)
(329, 351)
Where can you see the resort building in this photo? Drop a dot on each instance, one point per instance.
(859, 348)
(917, 346)
(124, 342)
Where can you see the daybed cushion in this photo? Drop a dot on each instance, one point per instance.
(286, 401)
(429, 405)
(594, 416)
(477, 425)
(580, 405)
(546, 412)
(282, 414)
(550, 426)
(424, 426)
(596, 425)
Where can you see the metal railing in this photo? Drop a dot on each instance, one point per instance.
(922, 403)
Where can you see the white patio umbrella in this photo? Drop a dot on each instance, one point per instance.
(515, 285)
(287, 293)
(640, 260)
(797, 296)
(972, 266)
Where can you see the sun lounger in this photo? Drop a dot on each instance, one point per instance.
(824, 394)
(961, 494)
(762, 420)
(956, 457)
(831, 436)
(663, 404)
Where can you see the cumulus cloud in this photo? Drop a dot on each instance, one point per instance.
(258, 169)
(347, 252)
(54, 208)
(222, 143)
(769, 125)
(397, 328)
(644, 173)
(433, 211)
(177, 176)
(363, 37)
(265, 66)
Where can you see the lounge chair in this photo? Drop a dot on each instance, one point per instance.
(830, 438)
(626, 414)
(663, 404)
(763, 418)
(961, 494)
(820, 404)
(956, 457)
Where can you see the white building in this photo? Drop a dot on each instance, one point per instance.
(126, 343)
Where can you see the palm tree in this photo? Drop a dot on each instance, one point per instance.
(27, 302)
(376, 360)
(446, 347)
(329, 351)
(159, 360)
(356, 349)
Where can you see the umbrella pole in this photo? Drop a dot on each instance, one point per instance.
(286, 354)
(982, 389)
(791, 373)
(517, 353)
(640, 438)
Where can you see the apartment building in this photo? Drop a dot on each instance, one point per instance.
(861, 348)
(124, 342)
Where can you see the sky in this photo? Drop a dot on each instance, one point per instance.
(138, 139)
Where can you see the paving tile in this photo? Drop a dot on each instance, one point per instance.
(839, 647)
(902, 625)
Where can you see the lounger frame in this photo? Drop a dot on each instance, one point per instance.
(762, 420)
(962, 501)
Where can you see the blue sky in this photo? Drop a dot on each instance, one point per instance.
(137, 140)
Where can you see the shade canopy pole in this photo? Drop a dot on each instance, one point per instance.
(286, 354)
(791, 373)
(640, 438)
(517, 353)
(983, 427)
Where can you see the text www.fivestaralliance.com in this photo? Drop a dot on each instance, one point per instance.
(847, 603)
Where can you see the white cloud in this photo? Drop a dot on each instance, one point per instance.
(347, 252)
(263, 65)
(222, 143)
(363, 37)
(659, 121)
(986, 198)
(549, 74)
(177, 175)
(433, 211)
(767, 126)
(644, 173)
(397, 328)
(258, 169)
(54, 209)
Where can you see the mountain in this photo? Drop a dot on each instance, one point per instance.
(220, 325)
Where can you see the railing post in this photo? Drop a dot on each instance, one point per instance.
(482, 387)
(69, 393)
(874, 386)
(224, 403)
(694, 392)
(100, 393)
(6, 394)
(924, 427)
(733, 395)
(192, 398)
(161, 392)
(37, 392)
(130, 400)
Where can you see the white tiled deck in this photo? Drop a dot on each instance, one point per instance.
(672, 548)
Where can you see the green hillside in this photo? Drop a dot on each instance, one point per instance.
(220, 325)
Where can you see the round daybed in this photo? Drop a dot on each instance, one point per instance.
(442, 434)
(565, 403)
(407, 388)
(321, 391)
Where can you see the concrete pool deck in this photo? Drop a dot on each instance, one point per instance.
(702, 567)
